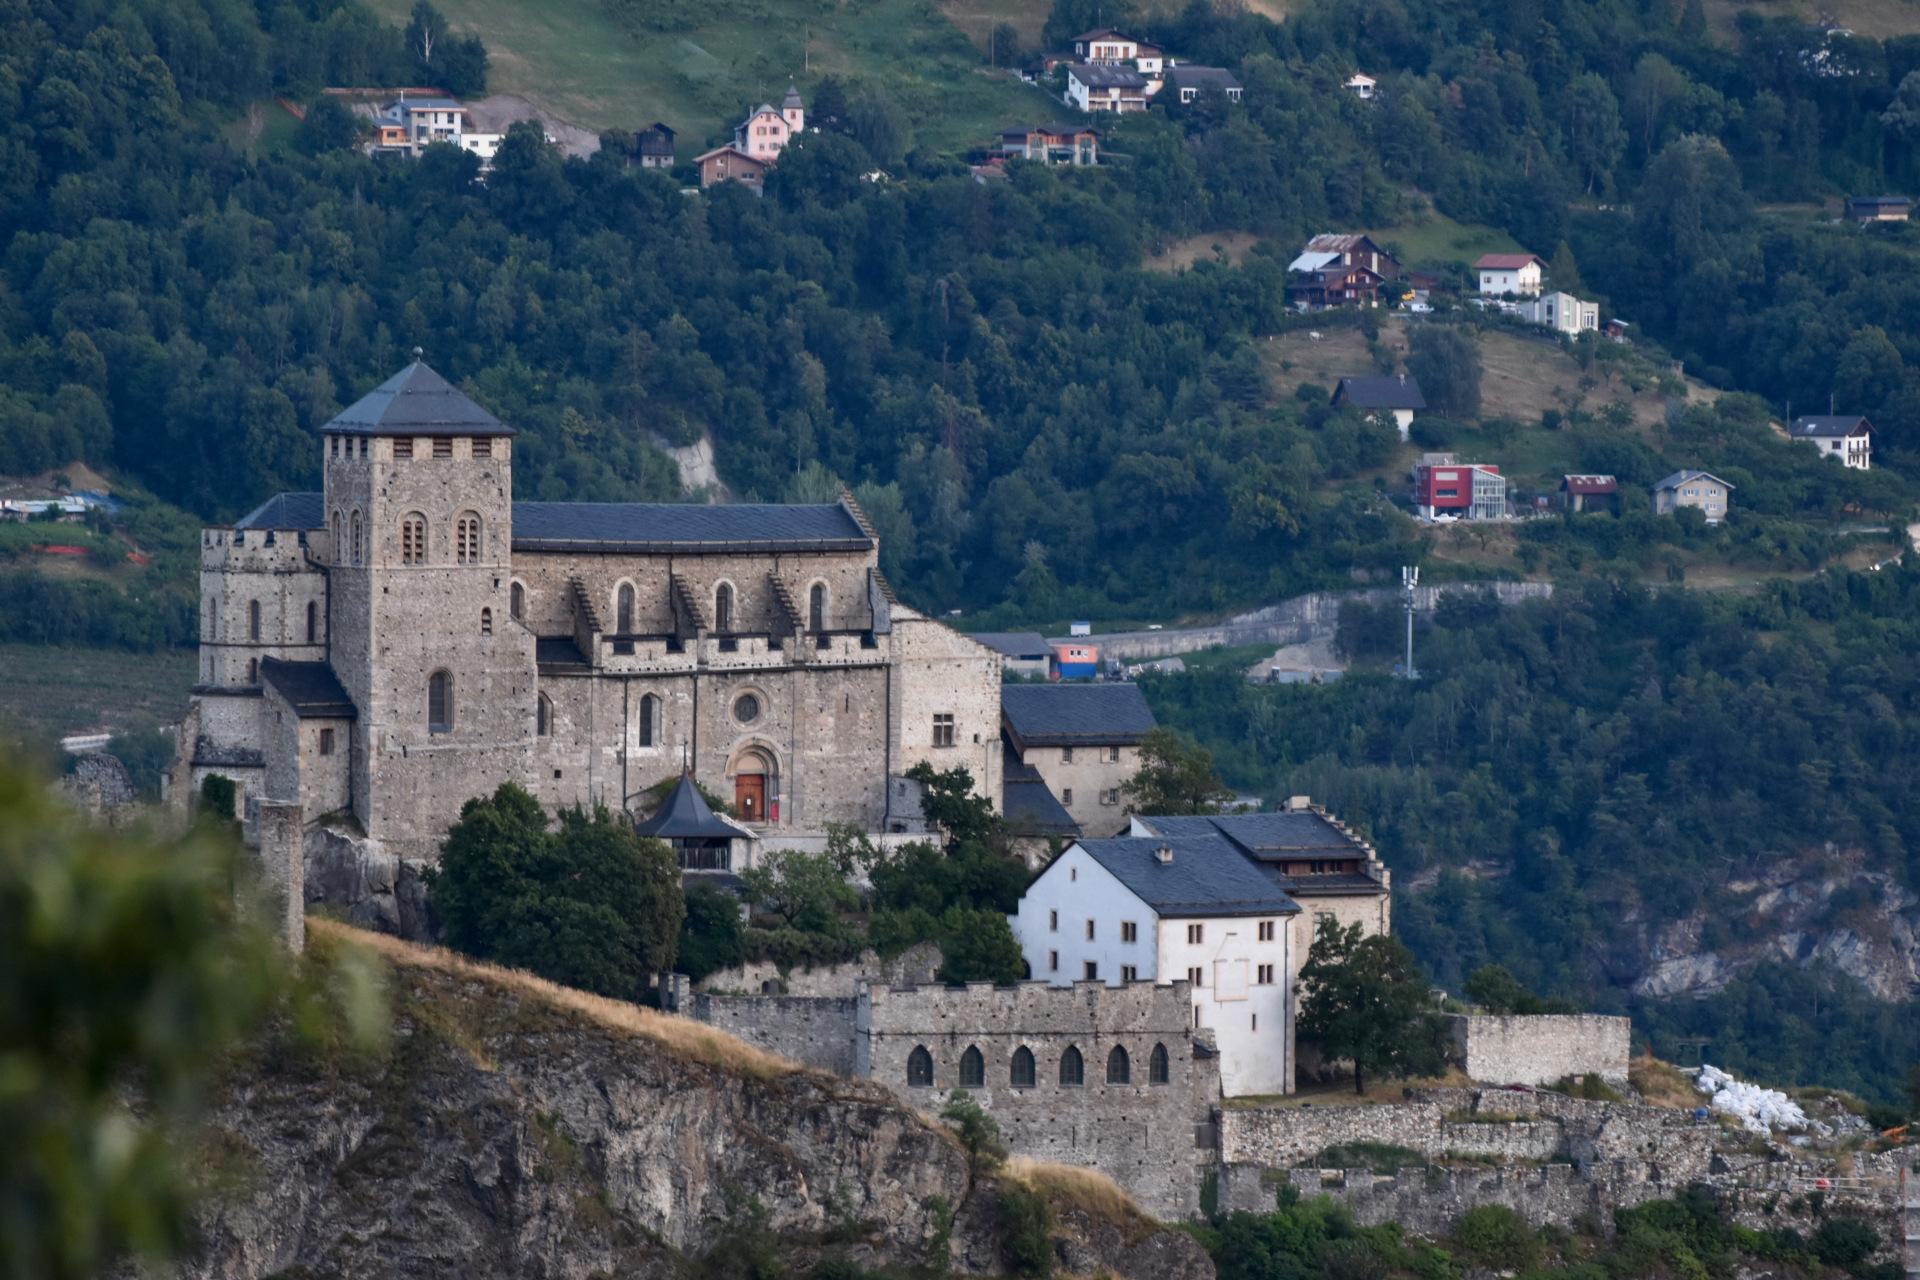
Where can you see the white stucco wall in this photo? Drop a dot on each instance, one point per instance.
(1252, 1022)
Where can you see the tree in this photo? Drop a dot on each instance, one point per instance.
(1498, 991)
(589, 904)
(977, 945)
(979, 1133)
(1367, 1001)
(949, 802)
(1913, 1087)
(877, 123)
(1564, 272)
(328, 126)
(1003, 45)
(1176, 777)
(128, 978)
(805, 890)
(711, 937)
(1446, 361)
(425, 27)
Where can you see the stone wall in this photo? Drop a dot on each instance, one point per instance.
(1541, 1049)
(815, 1030)
(916, 966)
(1152, 1139)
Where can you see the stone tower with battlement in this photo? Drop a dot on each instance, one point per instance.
(418, 503)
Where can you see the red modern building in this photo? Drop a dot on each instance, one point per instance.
(1470, 490)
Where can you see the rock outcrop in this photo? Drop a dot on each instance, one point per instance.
(514, 1129)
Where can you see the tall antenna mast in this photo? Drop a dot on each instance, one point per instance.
(1409, 580)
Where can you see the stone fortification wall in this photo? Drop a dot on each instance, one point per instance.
(916, 966)
(1151, 1138)
(1541, 1049)
(815, 1030)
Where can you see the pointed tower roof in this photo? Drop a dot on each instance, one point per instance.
(685, 815)
(416, 401)
(793, 97)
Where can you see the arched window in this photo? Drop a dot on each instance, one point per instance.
(253, 621)
(1157, 1065)
(973, 1069)
(209, 616)
(517, 601)
(723, 608)
(440, 702)
(1021, 1075)
(817, 608)
(1073, 1069)
(356, 537)
(466, 538)
(1119, 1067)
(649, 720)
(413, 539)
(486, 622)
(313, 622)
(623, 610)
(920, 1068)
(543, 715)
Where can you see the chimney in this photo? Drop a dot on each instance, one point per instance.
(1163, 854)
(1299, 804)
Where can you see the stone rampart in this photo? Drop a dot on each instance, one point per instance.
(1109, 1078)
(915, 966)
(1540, 1049)
(1276, 1137)
(814, 1030)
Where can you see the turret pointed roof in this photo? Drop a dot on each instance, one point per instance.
(685, 815)
(793, 96)
(416, 401)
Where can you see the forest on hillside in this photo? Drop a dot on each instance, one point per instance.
(1571, 776)
(1036, 425)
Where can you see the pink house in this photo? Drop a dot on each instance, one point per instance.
(765, 132)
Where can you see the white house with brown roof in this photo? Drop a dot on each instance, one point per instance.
(1519, 274)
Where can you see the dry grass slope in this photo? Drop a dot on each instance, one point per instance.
(1087, 1190)
(684, 1038)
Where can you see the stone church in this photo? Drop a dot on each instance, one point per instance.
(380, 652)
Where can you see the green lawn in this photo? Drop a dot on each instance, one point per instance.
(1434, 239)
(575, 59)
(47, 693)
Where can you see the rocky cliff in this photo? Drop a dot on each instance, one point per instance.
(512, 1128)
(1827, 908)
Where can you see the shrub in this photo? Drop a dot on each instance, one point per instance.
(1495, 1236)
(1026, 1231)
(1844, 1242)
(978, 1132)
(217, 796)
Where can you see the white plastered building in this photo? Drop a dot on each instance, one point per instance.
(1162, 909)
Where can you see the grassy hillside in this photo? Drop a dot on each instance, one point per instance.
(47, 693)
(576, 59)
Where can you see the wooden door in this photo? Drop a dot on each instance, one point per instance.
(750, 796)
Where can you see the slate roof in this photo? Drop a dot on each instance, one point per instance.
(310, 688)
(1268, 838)
(1380, 391)
(1679, 478)
(685, 815)
(286, 511)
(1102, 76)
(1207, 876)
(630, 526)
(415, 401)
(1040, 715)
(1030, 807)
(1030, 645)
(1201, 77)
(1263, 835)
(793, 97)
(1313, 260)
(677, 526)
(1827, 426)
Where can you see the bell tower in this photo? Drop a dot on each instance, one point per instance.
(419, 502)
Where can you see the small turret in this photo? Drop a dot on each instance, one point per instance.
(793, 110)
